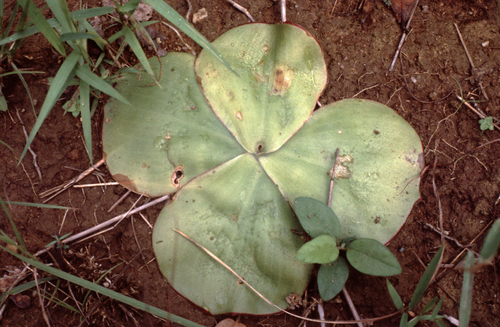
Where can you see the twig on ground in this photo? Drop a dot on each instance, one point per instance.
(477, 112)
(321, 312)
(96, 184)
(180, 37)
(120, 200)
(454, 261)
(363, 90)
(445, 236)
(403, 37)
(308, 311)
(138, 244)
(29, 149)
(109, 222)
(473, 68)
(77, 303)
(331, 12)
(189, 10)
(242, 9)
(352, 307)
(53, 192)
(283, 11)
(40, 299)
(438, 200)
(64, 219)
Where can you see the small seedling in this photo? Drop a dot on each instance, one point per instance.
(365, 255)
(58, 242)
(486, 123)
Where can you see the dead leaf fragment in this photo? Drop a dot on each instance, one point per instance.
(22, 301)
(200, 15)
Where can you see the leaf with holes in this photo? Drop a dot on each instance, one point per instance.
(234, 148)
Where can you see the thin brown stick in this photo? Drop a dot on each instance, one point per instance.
(40, 299)
(241, 280)
(403, 37)
(470, 59)
(120, 200)
(351, 306)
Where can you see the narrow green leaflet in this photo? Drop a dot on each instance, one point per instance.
(322, 249)
(3, 102)
(372, 257)
(424, 281)
(466, 297)
(396, 299)
(316, 217)
(84, 73)
(81, 36)
(43, 26)
(56, 88)
(491, 242)
(86, 119)
(436, 309)
(429, 305)
(332, 278)
(175, 18)
(134, 44)
(61, 12)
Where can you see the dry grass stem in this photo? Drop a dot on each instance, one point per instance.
(242, 9)
(53, 192)
(352, 307)
(403, 37)
(180, 37)
(120, 200)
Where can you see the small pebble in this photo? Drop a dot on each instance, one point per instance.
(485, 44)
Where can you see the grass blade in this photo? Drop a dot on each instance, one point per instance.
(436, 309)
(91, 12)
(134, 44)
(466, 298)
(395, 296)
(61, 12)
(37, 205)
(14, 228)
(491, 242)
(84, 73)
(55, 91)
(43, 26)
(85, 112)
(2, 142)
(82, 36)
(20, 75)
(104, 291)
(425, 280)
(175, 18)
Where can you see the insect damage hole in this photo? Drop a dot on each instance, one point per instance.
(177, 175)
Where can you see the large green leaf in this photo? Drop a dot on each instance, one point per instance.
(378, 169)
(236, 212)
(168, 135)
(281, 72)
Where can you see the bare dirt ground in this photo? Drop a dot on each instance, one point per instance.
(358, 49)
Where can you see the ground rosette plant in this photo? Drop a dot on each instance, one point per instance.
(237, 147)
